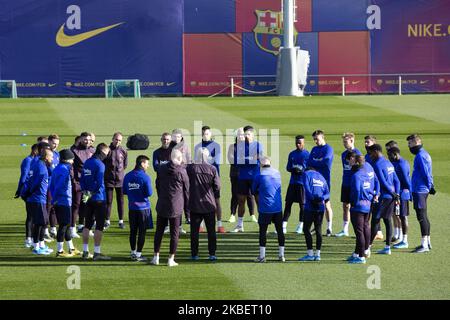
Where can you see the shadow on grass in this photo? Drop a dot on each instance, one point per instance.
(231, 248)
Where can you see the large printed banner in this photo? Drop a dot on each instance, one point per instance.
(61, 47)
(413, 37)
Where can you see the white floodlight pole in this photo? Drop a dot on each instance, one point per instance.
(288, 84)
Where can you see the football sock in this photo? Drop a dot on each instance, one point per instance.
(284, 224)
(345, 226)
(262, 252)
(59, 246)
(85, 247)
(318, 253)
(281, 251)
(96, 249)
(310, 253)
(219, 223)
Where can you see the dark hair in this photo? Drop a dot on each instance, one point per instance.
(76, 139)
(350, 154)
(317, 132)
(394, 153)
(43, 153)
(413, 136)
(391, 144)
(84, 134)
(360, 160)
(141, 158)
(300, 136)
(204, 128)
(118, 133)
(34, 150)
(53, 136)
(43, 146)
(375, 147)
(247, 128)
(100, 147)
(40, 138)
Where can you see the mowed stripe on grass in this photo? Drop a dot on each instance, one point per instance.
(234, 276)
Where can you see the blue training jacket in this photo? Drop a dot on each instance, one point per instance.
(24, 170)
(389, 183)
(92, 178)
(137, 186)
(422, 176)
(61, 186)
(321, 159)
(316, 191)
(371, 174)
(246, 158)
(362, 191)
(347, 168)
(402, 170)
(297, 158)
(214, 152)
(38, 182)
(267, 185)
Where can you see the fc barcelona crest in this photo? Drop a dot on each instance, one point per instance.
(269, 30)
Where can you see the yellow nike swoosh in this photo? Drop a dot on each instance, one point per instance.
(63, 40)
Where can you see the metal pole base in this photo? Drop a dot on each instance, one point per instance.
(288, 73)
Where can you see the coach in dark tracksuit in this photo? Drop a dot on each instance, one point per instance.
(422, 185)
(115, 165)
(316, 193)
(137, 186)
(172, 186)
(362, 192)
(92, 183)
(389, 188)
(204, 189)
(161, 155)
(82, 152)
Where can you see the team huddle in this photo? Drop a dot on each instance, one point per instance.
(74, 190)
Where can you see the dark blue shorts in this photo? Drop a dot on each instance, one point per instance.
(63, 215)
(420, 200)
(345, 194)
(404, 208)
(295, 193)
(38, 212)
(268, 218)
(138, 217)
(386, 209)
(244, 187)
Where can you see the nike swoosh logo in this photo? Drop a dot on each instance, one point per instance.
(170, 84)
(51, 85)
(64, 40)
(423, 81)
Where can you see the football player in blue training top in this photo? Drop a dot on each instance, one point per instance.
(35, 194)
(389, 197)
(267, 190)
(92, 184)
(402, 169)
(348, 139)
(321, 159)
(316, 195)
(24, 171)
(422, 184)
(362, 192)
(53, 141)
(61, 195)
(296, 164)
(247, 155)
(138, 187)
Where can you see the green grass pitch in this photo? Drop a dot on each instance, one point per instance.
(403, 275)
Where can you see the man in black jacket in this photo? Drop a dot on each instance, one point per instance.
(172, 186)
(115, 165)
(204, 195)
